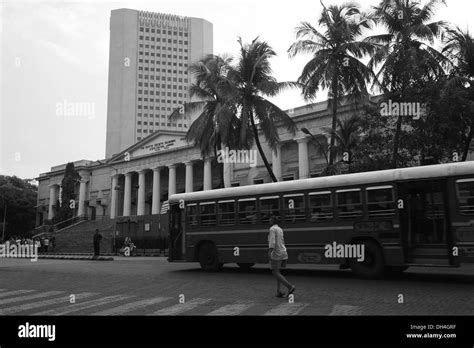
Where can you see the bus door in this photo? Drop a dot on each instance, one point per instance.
(176, 231)
(424, 222)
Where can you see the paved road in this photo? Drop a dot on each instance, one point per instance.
(152, 286)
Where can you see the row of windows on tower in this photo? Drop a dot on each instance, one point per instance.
(163, 32)
(152, 85)
(152, 61)
(164, 55)
(151, 107)
(170, 41)
(163, 78)
(146, 92)
(152, 100)
(175, 49)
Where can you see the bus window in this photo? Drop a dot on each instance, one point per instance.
(191, 214)
(207, 211)
(226, 212)
(466, 196)
(380, 201)
(294, 208)
(248, 211)
(269, 206)
(320, 206)
(349, 204)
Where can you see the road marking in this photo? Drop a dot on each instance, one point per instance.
(346, 310)
(30, 297)
(287, 309)
(181, 307)
(15, 292)
(232, 309)
(128, 307)
(84, 305)
(29, 306)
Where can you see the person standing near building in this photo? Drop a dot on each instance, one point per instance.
(96, 240)
(46, 244)
(278, 256)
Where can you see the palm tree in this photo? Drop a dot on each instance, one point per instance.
(252, 81)
(335, 65)
(347, 135)
(459, 48)
(403, 58)
(216, 123)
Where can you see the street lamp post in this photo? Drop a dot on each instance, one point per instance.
(306, 131)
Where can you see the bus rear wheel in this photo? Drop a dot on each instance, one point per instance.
(373, 265)
(209, 258)
(245, 265)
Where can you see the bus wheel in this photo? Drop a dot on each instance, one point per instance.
(373, 265)
(245, 265)
(209, 258)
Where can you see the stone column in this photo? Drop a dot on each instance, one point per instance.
(303, 160)
(141, 192)
(81, 210)
(172, 180)
(52, 197)
(113, 200)
(207, 174)
(155, 205)
(227, 174)
(276, 162)
(127, 195)
(189, 176)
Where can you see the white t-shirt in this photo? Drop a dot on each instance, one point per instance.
(277, 243)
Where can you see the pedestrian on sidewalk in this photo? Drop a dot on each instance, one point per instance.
(278, 256)
(96, 240)
(46, 244)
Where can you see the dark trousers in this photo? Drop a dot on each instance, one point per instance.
(96, 249)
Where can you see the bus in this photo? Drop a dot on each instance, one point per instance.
(418, 216)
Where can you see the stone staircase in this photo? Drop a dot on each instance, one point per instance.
(78, 238)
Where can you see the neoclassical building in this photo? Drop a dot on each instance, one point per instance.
(140, 178)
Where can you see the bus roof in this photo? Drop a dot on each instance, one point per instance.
(375, 177)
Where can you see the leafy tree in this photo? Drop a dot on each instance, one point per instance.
(19, 197)
(68, 193)
(404, 57)
(335, 65)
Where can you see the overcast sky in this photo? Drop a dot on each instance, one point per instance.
(57, 51)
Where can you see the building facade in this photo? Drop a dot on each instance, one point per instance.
(148, 72)
(137, 180)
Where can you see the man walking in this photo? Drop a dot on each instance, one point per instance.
(278, 256)
(96, 240)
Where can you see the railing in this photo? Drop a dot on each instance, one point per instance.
(69, 222)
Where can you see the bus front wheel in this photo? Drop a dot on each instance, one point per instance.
(209, 258)
(373, 265)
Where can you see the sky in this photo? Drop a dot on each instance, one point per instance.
(55, 52)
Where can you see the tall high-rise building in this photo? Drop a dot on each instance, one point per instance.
(148, 72)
